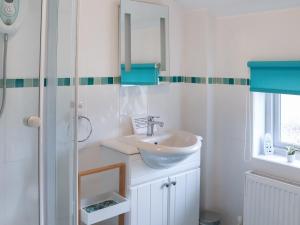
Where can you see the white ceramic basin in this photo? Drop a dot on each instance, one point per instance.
(167, 149)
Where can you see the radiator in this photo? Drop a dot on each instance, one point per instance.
(270, 201)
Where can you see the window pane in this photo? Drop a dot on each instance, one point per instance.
(290, 119)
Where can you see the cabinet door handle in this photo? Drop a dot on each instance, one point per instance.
(167, 185)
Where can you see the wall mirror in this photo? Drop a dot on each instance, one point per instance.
(144, 40)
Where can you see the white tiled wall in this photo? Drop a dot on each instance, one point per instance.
(110, 107)
(201, 45)
(19, 144)
(23, 46)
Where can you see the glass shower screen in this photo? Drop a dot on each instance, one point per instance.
(38, 161)
(60, 101)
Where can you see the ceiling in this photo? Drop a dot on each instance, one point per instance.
(236, 7)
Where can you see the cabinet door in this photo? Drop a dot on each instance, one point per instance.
(185, 198)
(149, 204)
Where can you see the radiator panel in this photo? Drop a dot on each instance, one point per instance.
(270, 201)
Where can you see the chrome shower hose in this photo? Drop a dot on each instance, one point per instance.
(4, 74)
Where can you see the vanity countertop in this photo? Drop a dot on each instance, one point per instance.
(139, 170)
(118, 145)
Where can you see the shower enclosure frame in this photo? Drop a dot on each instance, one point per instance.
(42, 75)
(42, 182)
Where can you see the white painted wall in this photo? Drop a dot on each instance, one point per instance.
(195, 116)
(260, 36)
(270, 35)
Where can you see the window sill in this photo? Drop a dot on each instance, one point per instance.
(277, 159)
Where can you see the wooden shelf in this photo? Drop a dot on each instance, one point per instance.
(118, 209)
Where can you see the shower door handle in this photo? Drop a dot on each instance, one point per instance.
(33, 121)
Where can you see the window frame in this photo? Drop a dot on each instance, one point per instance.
(273, 122)
(262, 110)
(277, 122)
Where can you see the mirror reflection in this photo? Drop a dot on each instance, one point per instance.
(144, 42)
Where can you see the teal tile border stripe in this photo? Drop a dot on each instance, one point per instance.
(205, 80)
(228, 81)
(21, 83)
(183, 79)
(98, 80)
(61, 82)
(91, 81)
(195, 80)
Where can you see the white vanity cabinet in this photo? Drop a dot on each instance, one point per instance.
(149, 203)
(185, 198)
(169, 196)
(173, 200)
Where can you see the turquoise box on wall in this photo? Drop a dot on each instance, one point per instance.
(140, 74)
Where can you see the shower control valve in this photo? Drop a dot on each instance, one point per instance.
(33, 121)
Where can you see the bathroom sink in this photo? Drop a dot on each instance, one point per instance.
(165, 150)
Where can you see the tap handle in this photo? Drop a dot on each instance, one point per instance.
(151, 118)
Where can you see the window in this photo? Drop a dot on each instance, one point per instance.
(288, 120)
(279, 115)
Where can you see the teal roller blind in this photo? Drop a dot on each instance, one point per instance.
(140, 74)
(282, 77)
